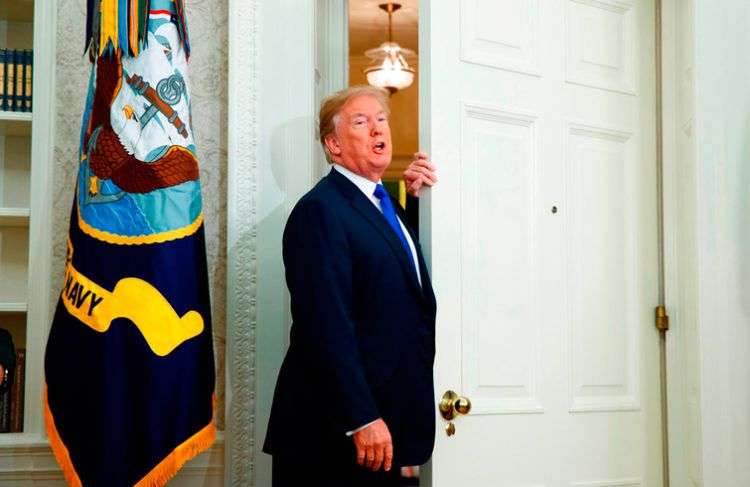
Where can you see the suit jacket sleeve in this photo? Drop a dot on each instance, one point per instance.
(318, 265)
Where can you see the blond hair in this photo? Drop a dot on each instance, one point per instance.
(331, 106)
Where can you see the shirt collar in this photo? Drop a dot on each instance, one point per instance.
(364, 184)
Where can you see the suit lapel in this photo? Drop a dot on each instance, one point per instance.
(368, 210)
(365, 207)
(424, 273)
(426, 284)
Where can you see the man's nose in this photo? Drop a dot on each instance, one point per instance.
(375, 129)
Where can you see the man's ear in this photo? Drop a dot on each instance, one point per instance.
(332, 144)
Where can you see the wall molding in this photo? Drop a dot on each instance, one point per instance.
(242, 264)
(40, 309)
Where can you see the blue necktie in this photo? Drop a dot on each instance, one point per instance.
(390, 215)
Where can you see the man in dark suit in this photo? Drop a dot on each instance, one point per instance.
(354, 400)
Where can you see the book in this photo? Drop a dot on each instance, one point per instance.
(16, 80)
(19, 81)
(10, 76)
(5, 411)
(22, 90)
(29, 77)
(3, 80)
(17, 392)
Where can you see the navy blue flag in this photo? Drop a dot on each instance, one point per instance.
(129, 366)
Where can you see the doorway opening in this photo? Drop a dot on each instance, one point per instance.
(368, 29)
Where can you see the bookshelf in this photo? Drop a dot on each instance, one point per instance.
(26, 142)
(15, 123)
(16, 32)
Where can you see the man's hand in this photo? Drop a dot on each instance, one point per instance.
(374, 446)
(420, 172)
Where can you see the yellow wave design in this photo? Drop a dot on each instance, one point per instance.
(134, 299)
(113, 238)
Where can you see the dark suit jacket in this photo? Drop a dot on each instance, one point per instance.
(363, 334)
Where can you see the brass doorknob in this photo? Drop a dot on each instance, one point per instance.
(451, 405)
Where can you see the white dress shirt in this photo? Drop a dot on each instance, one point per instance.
(368, 188)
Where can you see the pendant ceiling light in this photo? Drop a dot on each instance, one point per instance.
(389, 68)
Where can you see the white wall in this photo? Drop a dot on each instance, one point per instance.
(707, 135)
(285, 171)
(722, 81)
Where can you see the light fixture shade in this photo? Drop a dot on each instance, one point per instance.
(389, 68)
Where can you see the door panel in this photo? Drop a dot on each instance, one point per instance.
(498, 179)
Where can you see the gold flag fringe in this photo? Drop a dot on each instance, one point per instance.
(189, 449)
(58, 447)
(162, 473)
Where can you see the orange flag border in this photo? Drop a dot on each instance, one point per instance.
(158, 476)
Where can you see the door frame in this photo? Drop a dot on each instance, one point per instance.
(242, 175)
(259, 84)
(680, 242)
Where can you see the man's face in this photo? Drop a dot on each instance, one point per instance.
(362, 139)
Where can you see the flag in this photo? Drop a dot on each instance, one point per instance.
(129, 370)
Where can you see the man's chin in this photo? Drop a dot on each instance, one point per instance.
(382, 162)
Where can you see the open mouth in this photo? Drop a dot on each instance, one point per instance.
(379, 147)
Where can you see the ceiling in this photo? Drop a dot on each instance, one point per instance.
(368, 25)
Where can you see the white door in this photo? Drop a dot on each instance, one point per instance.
(542, 239)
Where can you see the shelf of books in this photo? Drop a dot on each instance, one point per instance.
(16, 120)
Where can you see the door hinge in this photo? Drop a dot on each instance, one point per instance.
(662, 318)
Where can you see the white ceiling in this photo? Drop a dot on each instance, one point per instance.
(368, 25)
